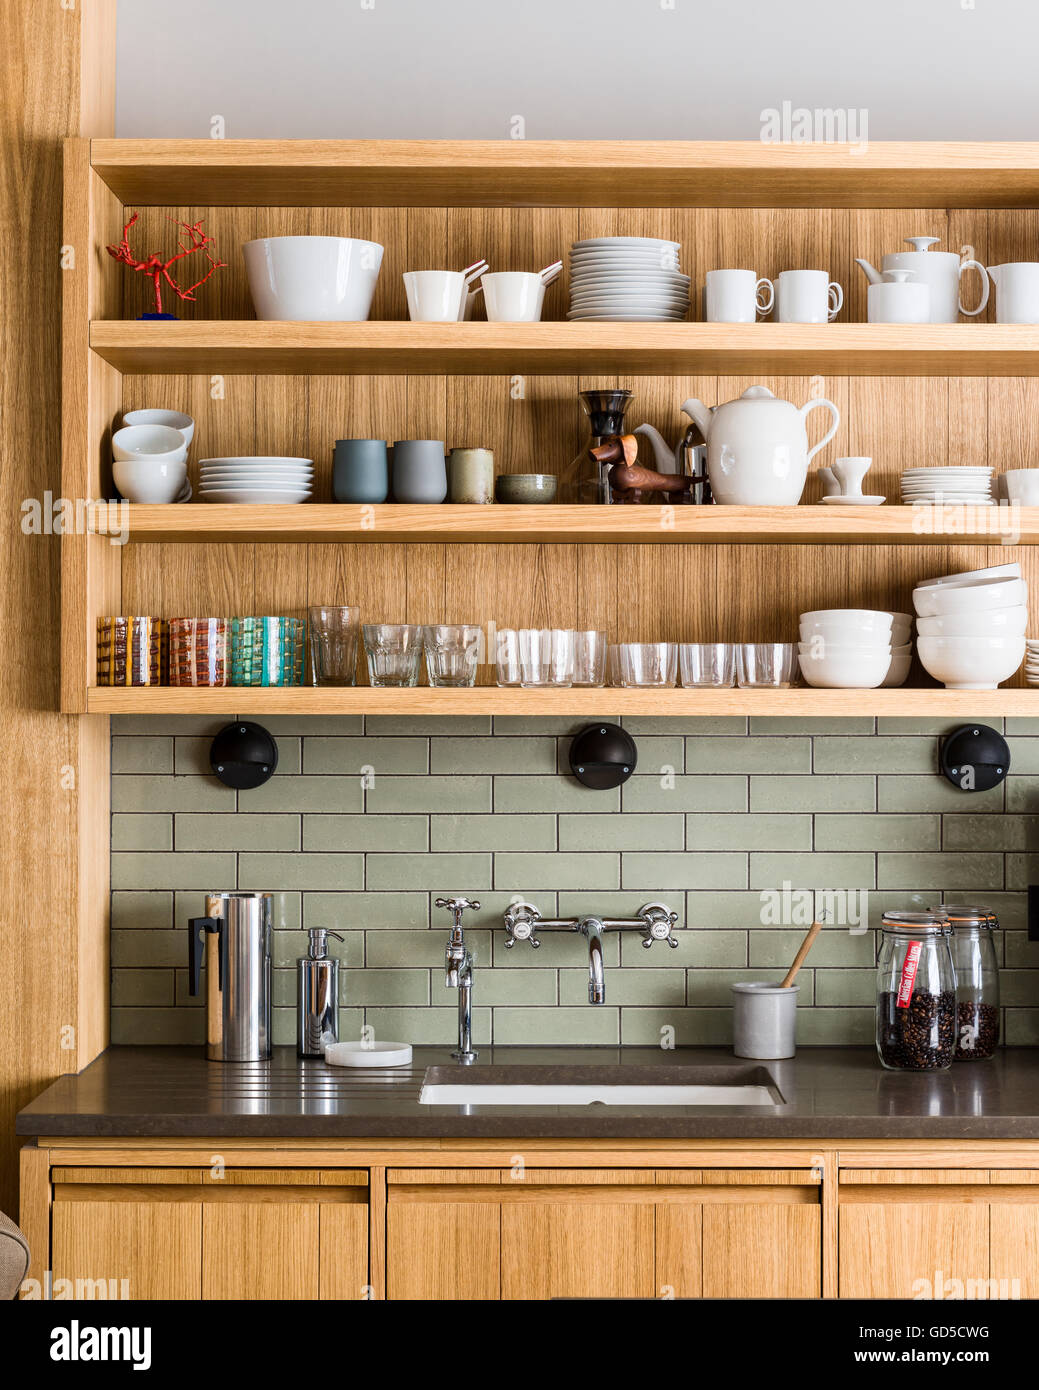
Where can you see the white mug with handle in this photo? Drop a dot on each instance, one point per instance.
(737, 296)
(807, 296)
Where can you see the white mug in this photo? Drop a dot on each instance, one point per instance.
(1017, 291)
(1022, 486)
(807, 296)
(512, 296)
(434, 296)
(736, 296)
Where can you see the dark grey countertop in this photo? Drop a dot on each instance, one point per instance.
(827, 1093)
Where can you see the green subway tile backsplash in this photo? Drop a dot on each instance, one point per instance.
(741, 826)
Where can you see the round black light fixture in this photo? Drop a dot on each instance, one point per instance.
(603, 756)
(243, 755)
(974, 757)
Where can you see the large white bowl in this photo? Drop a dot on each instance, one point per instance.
(971, 663)
(149, 441)
(847, 625)
(846, 668)
(143, 480)
(993, 622)
(316, 279)
(1011, 571)
(939, 599)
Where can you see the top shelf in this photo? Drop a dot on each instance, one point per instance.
(564, 173)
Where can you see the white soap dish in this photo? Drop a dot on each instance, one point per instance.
(375, 1054)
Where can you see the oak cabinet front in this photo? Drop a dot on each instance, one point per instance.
(594, 1233)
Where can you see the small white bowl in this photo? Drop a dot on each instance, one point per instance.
(172, 419)
(901, 627)
(148, 441)
(143, 480)
(974, 663)
(847, 668)
(847, 625)
(940, 599)
(994, 622)
(898, 671)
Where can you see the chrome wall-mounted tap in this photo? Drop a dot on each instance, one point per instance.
(655, 921)
(458, 965)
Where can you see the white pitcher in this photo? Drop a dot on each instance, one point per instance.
(1017, 291)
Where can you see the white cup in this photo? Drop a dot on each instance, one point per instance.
(1017, 291)
(512, 296)
(807, 296)
(434, 296)
(850, 472)
(1022, 485)
(736, 296)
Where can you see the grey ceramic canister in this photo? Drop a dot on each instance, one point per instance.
(419, 471)
(360, 470)
(470, 476)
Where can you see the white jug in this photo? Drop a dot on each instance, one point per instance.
(1017, 291)
(757, 447)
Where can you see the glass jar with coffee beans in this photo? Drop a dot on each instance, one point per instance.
(977, 980)
(916, 992)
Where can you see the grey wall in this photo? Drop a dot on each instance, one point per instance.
(574, 69)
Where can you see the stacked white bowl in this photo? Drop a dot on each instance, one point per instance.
(971, 626)
(627, 279)
(149, 456)
(854, 648)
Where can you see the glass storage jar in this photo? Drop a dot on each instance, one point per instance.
(916, 992)
(977, 980)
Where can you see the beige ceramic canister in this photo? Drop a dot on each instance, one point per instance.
(470, 475)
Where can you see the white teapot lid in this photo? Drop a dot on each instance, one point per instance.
(758, 393)
(922, 243)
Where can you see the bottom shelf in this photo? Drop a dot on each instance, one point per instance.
(603, 703)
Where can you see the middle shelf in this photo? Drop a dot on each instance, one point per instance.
(434, 349)
(602, 525)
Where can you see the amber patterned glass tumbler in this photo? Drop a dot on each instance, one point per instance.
(199, 651)
(267, 651)
(132, 651)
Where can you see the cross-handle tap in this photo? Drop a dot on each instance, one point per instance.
(458, 965)
(521, 921)
(659, 920)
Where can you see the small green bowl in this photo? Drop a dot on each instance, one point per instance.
(526, 487)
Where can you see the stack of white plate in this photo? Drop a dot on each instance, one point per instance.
(627, 279)
(963, 483)
(1032, 660)
(971, 626)
(854, 648)
(256, 480)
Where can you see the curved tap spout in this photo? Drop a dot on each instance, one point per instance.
(591, 929)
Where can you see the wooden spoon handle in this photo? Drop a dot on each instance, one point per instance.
(805, 947)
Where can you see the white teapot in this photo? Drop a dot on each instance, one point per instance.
(941, 271)
(757, 447)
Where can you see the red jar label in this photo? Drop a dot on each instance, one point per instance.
(909, 969)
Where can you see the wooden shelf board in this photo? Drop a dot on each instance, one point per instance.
(578, 703)
(490, 349)
(542, 173)
(560, 524)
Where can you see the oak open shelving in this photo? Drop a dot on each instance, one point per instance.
(790, 196)
(387, 523)
(602, 703)
(435, 349)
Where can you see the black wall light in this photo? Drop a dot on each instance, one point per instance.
(603, 756)
(243, 755)
(974, 757)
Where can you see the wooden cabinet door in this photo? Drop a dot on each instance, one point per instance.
(443, 1234)
(903, 1232)
(143, 1227)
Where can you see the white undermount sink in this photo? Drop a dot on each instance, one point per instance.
(671, 1085)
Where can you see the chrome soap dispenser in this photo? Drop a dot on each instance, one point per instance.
(317, 995)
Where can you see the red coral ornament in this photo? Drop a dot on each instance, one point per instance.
(158, 270)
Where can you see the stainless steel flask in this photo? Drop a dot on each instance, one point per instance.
(317, 995)
(238, 974)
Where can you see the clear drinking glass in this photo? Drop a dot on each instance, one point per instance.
(546, 656)
(507, 656)
(707, 663)
(648, 663)
(333, 645)
(613, 665)
(589, 658)
(394, 652)
(772, 664)
(452, 653)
